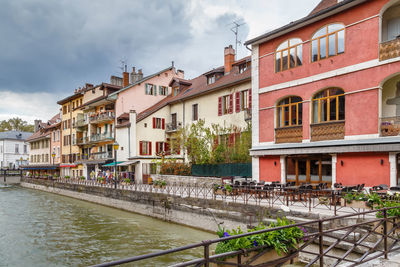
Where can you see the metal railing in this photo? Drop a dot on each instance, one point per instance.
(173, 127)
(102, 116)
(101, 137)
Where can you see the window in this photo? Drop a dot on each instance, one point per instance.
(150, 89)
(288, 55)
(327, 42)
(242, 67)
(195, 112)
(242, 100)
(16, 149)
(145, 148)
(64, 110)
(158, 123)
(163, 90)
(160, 147)
(289, 112)
(328, 105)
(210, 79)
(25, 149)
(175, 91)
(225, 105)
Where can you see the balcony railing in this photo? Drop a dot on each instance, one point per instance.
(101, 137)
(101, 155)
(102, 117)
(390, 126)
(327, 131)
(81, 123)
(247, 114)
(293, 134)
(83, 141)
(173, 127)
(389, 49)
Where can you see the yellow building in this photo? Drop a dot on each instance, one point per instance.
(70, 109)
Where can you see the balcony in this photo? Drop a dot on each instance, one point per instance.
(292, 134)
(101, 155)
(389, 49)
(81, 123)
(102, 117)
(82, 141)
(173, 127)
(390, 126)
(327, 131)
(247, 114)
(101, 137)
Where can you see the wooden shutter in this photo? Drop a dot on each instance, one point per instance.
(146, 86)
(149, 148)
(220, 106)
(231, 139)
(163, 124)
(141, 148)
(250, 98)
(159, 90)
(154, 122)
(237, 101)
(157, 151)
(230, 103)
(154, 89)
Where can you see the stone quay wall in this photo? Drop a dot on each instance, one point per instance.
(186, 179)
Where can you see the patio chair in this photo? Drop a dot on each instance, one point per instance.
(395, 188)
(384, 187)
(337, 185)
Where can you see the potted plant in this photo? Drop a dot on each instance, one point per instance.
(392, 214)
(127, 181)
(264, 247)
(355, 200)
(83, 177)
(101, 179)
(66, 177)
(159, 183)
(218, 189)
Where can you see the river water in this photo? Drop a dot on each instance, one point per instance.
(43, 229)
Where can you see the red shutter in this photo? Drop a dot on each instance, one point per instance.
(157, 151)
(163, 124)
(149, 148)
(237, 101)
(166, 148)
(250, 98)
(220, 106)
(231, 103)
(231, 139)
(154, 122)
(140, 148)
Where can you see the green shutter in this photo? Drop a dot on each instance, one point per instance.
(155, 89)
(146, 86)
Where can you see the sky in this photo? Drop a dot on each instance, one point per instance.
(51, 47)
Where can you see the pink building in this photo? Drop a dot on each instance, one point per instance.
(326, 101)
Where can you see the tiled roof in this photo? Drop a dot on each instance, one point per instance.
(324, 9)
(44, 128)
(15, 135)
(199, 87)
(42, 133)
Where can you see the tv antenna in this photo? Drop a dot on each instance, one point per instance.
(123, 66)
(235, 30)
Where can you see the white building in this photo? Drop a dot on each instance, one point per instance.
(14, 150)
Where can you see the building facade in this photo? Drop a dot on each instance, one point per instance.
(325, 96)
(14, 149)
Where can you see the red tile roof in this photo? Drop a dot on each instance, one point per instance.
(324, 4)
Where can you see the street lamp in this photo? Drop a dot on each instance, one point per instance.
(20, 162)
(53, 155)
(115, 146)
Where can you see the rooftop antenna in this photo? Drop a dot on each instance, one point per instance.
(235, 30)
(123, 65)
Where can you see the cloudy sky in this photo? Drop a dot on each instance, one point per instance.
(50, 47)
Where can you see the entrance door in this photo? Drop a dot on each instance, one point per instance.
(309, 169)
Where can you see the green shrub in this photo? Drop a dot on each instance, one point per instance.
(127, 180)
(83, 178)
(66, 177)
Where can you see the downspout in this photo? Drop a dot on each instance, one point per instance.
(129, 142)
(183, 122)
(248, 48)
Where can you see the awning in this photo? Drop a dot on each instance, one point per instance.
(39, 168)
(68, 166)
(130, 162)
(112, 164)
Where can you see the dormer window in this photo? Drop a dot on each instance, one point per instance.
(175, 90)
(242, 67)
(211, 79)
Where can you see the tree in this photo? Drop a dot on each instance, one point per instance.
(15, 124)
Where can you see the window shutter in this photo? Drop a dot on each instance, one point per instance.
(220, 106)
(231, 139)
(166, 148)
(237, 101)
(231, 103)
(149, 148)
(163, 124)
(154, 122)
(146, 87)
(250, 98)
(157, 151)
(154, 89)
(141, 148)
(159, 90)
(167, 89)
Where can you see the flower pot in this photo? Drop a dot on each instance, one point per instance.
(219, 192)
(268, 255)
(355, 204)
(390, 223)
(158, 186)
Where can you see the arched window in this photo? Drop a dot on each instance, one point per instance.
(327, 42)
(288, 55)
(289, 112)
(328, 105)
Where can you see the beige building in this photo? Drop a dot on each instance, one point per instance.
(221, 96)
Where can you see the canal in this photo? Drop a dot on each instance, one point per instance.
(43, 229)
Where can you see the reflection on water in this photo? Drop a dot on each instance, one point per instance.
(42, 229)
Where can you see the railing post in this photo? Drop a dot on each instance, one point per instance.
(321, 246)
(385, 244)
(206, 255)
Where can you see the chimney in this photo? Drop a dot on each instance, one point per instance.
(134, 76)
(229, 58)
(125, 78)
(88, 85)
(36, 124)
(140, 74)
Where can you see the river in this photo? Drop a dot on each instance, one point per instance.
(43, 229)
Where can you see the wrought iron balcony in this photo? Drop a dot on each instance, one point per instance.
(102, 117)
(390, 126)
(82, 141)
(389, 49)
(173, 127)
(101, 155)
(101, 137)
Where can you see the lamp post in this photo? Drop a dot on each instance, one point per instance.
(115, 146)
(20, 163)
(53, 155)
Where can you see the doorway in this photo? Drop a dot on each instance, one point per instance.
(312, 169)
